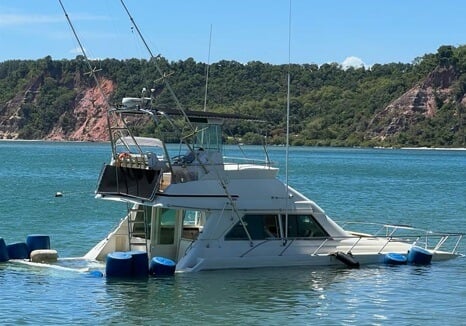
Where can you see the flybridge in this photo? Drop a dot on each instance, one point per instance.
(141, 167)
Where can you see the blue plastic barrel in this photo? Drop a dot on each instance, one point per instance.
(419, 256)
(95, 274)
(160, 266)
(119, 264)
(140, 263)
(3, 251)
(18, 250)
(37, 242)
(393, 258)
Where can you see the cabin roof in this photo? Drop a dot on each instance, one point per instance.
(193, 116)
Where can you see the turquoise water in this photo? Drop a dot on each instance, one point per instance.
(418, 187)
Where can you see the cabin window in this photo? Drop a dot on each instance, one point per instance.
(192, 224)
(259, 226)
(303, 226)
(209, 137)
(167, 226)
(192, 218)
(266, 226)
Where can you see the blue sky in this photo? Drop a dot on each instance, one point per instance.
(322, 31)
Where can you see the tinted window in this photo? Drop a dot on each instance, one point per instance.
(259, 226)
(303, 226)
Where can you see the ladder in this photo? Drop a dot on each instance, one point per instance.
(138, 227)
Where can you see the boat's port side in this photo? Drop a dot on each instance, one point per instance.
(305, 242)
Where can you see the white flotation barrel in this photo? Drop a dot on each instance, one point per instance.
(18, 250)
(119, 264)
(3, 251)
(393, 258)
(38, 241)
(139, 263)
(44, 256)
(160, 266)
(419, 256)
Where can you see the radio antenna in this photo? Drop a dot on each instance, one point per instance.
(207, 70)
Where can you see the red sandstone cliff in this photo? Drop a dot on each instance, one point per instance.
(91, 114)
(420, 101)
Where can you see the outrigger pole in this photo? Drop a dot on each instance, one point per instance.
(92, 70)
(159, 70)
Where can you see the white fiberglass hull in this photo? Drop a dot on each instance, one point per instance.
(206, 255)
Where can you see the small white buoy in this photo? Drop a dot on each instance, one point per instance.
(58, 194)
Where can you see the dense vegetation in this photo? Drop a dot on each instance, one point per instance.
(329, 106)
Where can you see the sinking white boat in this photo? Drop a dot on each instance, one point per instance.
(204, 211)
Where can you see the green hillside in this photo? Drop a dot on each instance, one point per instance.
(329, 106)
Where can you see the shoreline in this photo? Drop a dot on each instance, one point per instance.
(436, 148)
(376, 147)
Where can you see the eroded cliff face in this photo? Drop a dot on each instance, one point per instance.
(91, 115)
(11, 115)
(419, 102)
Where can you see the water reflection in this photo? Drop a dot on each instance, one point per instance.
(271, 296)
(374, 294)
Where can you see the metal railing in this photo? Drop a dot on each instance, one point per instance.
(444, 242)
(435, 241)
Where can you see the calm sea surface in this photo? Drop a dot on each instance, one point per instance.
(418, 187)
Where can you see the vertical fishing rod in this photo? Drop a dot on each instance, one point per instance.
(159, 70)
(92, 70)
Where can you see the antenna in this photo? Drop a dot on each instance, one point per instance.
(207, 70)
(288, 95)
(287, 124)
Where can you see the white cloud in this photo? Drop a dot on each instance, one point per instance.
(352, 61)
(77, 51)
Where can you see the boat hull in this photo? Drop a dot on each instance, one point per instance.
(276, 253)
